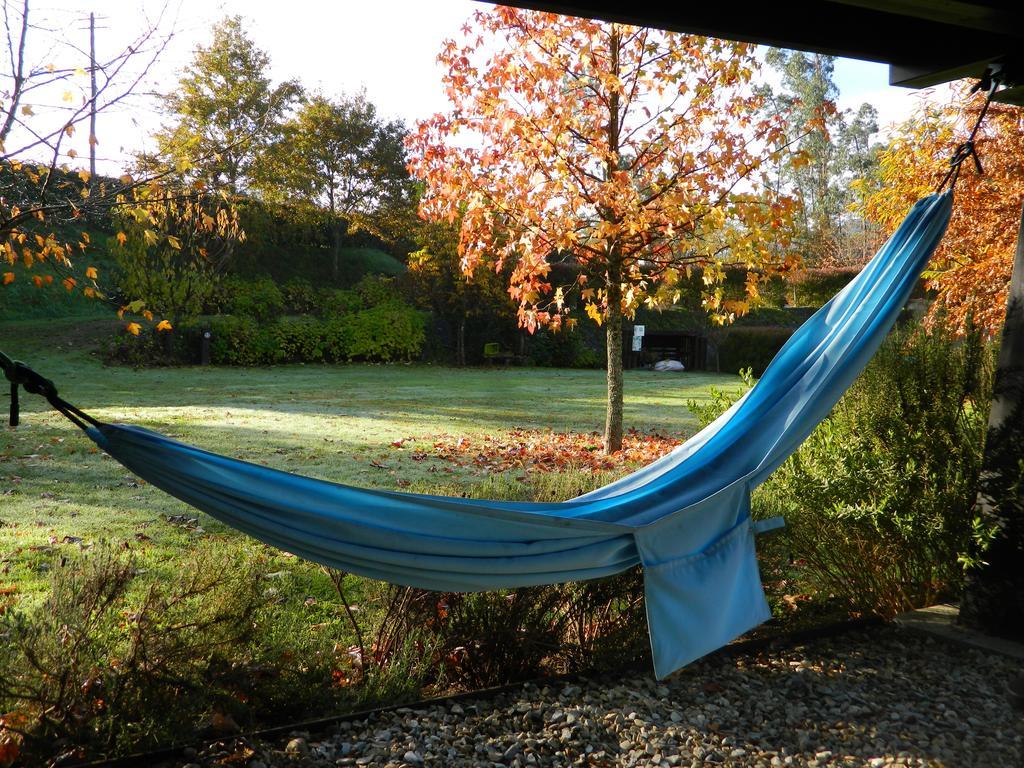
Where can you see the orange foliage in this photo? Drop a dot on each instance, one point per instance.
(631, 153)
(970, 272)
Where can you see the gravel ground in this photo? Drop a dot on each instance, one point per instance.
(874, 698)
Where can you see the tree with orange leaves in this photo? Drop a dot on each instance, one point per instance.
(970, 271)
(632, 154)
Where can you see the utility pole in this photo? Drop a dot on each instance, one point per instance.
(92, 102)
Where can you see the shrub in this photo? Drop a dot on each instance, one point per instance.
(300, 297)
(772, 292)
(106, 663)
(751, 347)
(555, 349)
(384, 333)
(239, 340)
(789, 317)
(814, 287)
(879, 500)
(340, 302)
(301, 339)
(588, 358)
(484, 639)
(257, 299)
(374, 291)
(149, 348)
(489, 638)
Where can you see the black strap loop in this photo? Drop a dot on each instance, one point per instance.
(989, 82)
(14, 419)
(20, 375)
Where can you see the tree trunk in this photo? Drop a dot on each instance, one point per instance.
(613, 318)
(613, 334)
(460, 344)
(994, 597)
(335, 248)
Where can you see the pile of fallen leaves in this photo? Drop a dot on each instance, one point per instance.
(541, 450)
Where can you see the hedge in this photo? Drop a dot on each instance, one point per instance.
(751, 347)
(386, 333)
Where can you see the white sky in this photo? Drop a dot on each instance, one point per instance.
(388, 46)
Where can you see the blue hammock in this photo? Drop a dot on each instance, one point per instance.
(685, 518)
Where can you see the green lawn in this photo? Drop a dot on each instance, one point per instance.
(337, 422)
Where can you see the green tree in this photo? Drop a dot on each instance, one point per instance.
(833, 149)
(860, 165)
(808, 96)
(340, 155)
(225, 111)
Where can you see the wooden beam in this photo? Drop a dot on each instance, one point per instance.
(985, 16)
(904, 32)
(914, 76)
(925, 42)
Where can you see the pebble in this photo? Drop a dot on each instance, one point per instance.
(876, 698)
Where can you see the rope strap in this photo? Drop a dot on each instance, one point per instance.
(989, 82)
(20, 375)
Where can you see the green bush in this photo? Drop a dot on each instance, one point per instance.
(257, 299)
(384, 333)
(369, 323)
(588, 358)
(772, 292)
(879, 501)
(814, 287)
(482, 639)
(105, 665)
(490, 638)
(783, 317)
(374, 290)
(116, 659)
(239, 340)
(555, 349)
(340, 302)
(149, 348)
(387, 333)
(301, 339)
(751, 347)
(301, 298)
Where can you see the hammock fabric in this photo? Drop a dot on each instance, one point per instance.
(685, 518)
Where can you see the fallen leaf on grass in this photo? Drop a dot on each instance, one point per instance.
(549, 451)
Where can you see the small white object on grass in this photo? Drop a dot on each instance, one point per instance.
(669, 365)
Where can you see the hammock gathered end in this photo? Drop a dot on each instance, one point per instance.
(685, 518)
